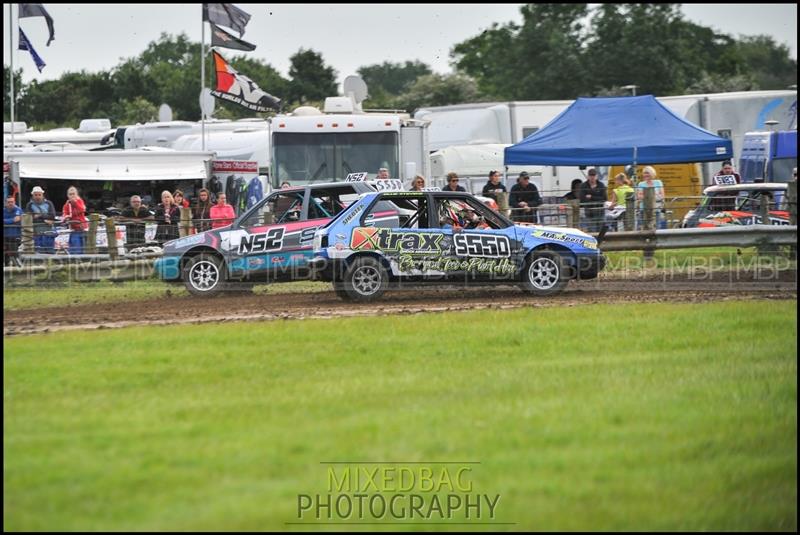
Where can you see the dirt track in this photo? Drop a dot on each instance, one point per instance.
(655, 287)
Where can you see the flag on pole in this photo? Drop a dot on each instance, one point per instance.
(240, 89)
(24, 44)
(221, 38)
(226, 15)
(38, 10)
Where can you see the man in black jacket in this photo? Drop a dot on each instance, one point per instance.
(524, 199)
(593, 198)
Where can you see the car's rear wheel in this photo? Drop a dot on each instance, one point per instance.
(364, 280)
(545, 274)
(204, 275)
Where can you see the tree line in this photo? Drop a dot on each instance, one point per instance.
(558, 52)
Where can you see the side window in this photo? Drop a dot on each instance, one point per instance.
(398, 213)
(329, 203)
(279, 208)
(466, 213)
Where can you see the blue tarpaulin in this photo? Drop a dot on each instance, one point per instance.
(618, 131)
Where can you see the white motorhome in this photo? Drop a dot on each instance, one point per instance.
(249, 142)
(310, 145)
(728, 115)
(90, 134)
(165, 133)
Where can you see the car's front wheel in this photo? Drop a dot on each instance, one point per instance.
(364, 280)
(545, 274)
(204, 275)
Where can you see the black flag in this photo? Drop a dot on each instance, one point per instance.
(220, 37)
(226, 15)
(38, 10)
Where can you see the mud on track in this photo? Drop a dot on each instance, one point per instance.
(652, 287)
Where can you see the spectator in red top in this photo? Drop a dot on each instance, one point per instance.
(222, 213)
(74, 214)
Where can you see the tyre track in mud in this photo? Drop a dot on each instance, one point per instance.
(650, 288)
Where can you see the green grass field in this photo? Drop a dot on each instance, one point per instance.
(683, 417)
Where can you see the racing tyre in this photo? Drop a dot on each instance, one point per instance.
(364, 280)
(545, 274)
(204, 275)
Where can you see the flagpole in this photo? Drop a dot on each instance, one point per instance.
(11, 53)
(203, 83)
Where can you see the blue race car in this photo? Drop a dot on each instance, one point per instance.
(445, 237)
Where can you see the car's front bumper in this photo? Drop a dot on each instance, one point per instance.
(168, 268)
(589, 265)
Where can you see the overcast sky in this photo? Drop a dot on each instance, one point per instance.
(95, 36)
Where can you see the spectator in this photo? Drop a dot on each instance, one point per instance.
(727, 170)
(452, 183)
(622, 187)
(202, 211)
(44, 215)
(167, 214)
(222, 213)
(524, 199)
(134, 216)
(12, 230)
(593, 197)
(383, 174)
(418, 184)
(574, 191)
(650, 181)
(285, 185)
(180, 201)
(493, 187)
(74, 214)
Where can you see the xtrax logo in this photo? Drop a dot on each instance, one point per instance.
(259, 243)
(482, 245)
(383, 239)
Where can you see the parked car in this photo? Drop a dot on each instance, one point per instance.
(739, 204)
(270, 242)
(445, 237)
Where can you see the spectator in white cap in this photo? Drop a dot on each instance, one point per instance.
(383, 174)
(44, 215)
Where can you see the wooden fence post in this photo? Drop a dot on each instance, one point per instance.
(502, 203)
(185, 227)
(629, 221)
(27, 234)
(575, 212)
(111, 237)
(649, 209)
(91, 237)
(763, 208)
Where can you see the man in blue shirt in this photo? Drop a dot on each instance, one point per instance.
(12, 230)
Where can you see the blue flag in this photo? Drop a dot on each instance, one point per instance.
(24, 44)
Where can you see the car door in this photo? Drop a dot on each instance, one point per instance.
(485, 248)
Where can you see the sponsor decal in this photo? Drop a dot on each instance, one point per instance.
(307, 235)
(190, 240)
(255, 262)
(482, 245)
(383, 239)
(349, 217)
(566, 238)
(497, 266)
(278, 259)
(259, 243)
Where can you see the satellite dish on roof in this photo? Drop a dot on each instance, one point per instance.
(164, 113)
(357, 86)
